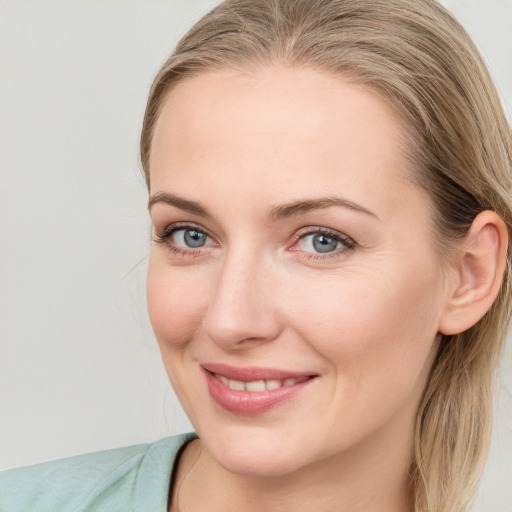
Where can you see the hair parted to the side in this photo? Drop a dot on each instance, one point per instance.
(420, 60)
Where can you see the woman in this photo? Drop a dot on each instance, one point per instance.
(329, 282)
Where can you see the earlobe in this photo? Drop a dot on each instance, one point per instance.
(480, 269)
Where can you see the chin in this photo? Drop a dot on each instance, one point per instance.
(267, 466)
(254, 453)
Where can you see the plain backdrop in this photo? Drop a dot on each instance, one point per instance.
(79, 367)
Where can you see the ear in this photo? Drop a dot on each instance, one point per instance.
(479, 268)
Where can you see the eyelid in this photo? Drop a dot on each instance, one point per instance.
(348, 242)
(313, 230)
(165, 235)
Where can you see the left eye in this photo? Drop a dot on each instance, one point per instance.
(320, 243)
(190, 238)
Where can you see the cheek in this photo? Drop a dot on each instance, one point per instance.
(176, 303)
(377, 330)
(378, 341)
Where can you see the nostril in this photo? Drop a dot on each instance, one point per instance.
(243, 326)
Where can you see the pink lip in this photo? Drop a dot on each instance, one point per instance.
(251, 403)
(253, 373)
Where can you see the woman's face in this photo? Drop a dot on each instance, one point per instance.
(293, 285)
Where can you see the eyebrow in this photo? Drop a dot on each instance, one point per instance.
(300, 207)
(178, 202)
(276, 212)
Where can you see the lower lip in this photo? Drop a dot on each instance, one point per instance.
(251, 403)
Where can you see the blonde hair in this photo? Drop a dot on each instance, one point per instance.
(422, 62)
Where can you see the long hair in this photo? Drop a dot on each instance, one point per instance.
(420, 60)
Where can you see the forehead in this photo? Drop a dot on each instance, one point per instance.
(278, 128)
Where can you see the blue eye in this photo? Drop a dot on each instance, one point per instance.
(323, 242)
(190, 238)
(180, 238)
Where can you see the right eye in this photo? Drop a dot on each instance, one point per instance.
(190, 238)
(184, 239)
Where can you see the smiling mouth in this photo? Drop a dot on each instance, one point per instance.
(253, 391)
(259, 385)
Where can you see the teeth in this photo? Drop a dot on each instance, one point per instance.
(259, 385)
(273, 384)
(237, 385)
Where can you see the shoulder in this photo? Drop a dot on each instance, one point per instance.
(128, 479)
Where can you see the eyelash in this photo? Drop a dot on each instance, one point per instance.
(165, 236)
(348, 243)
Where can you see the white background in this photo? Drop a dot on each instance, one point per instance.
(79, 367)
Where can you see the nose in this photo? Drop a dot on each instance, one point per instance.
(242, 311)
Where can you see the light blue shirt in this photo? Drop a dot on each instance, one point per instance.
(131, 479)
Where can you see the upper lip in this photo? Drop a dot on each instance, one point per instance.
(253, 373)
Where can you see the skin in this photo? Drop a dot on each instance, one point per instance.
(363, 319)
